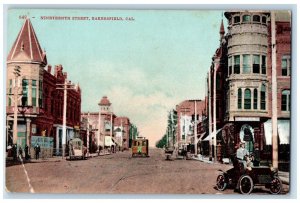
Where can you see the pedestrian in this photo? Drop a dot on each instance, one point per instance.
(20, 152)
(27, 152)
(37, 150)
(256, 152)
(14, 152)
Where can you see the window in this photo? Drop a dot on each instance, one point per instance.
(255, 99)
(256, 18)
(239, 98)
(218, 84)
(263, 64)
(263, 97)
(236, 64)
(217, 109)
(230, 65)
(236, 19)
(256, 63)
(247, 99)
(40, 94)
(264, 19)
(33, 92)
(285, 100)
(246, 18)
(25, 92)
(285, 65)
(246, 63)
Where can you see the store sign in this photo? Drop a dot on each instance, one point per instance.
(44, 142)
(246, 118)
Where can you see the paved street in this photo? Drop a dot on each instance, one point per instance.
(118, 174)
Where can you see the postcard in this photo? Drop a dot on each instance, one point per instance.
(148, 101)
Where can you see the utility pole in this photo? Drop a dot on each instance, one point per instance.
(215, 117)
(274, 94)
(209, 115)
(195, 128)
(88, 135)
(66, 86)
(17, 73)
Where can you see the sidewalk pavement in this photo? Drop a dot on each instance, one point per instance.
(284, 176)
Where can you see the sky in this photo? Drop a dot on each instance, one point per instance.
(144, 66)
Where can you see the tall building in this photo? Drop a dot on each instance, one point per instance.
(40, 103)
(247, 82)
(121, 131)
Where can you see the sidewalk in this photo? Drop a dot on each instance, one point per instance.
(284, 176)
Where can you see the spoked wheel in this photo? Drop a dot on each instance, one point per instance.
(245, 184)
(221, 182)
(276, 186)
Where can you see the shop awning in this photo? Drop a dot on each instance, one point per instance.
(209, 136)
(283, 131)
(108, 141)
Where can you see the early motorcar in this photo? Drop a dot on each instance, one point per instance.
(244, 179)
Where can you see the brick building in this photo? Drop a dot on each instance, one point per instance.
(246, 76)
(41, 106)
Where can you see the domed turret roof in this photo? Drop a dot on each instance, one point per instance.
(104, 101)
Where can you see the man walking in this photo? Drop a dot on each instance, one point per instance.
(37, 150)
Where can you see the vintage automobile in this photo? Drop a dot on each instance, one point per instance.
(140, 147)
(244, 179)
(77, 149)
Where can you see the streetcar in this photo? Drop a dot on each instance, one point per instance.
(77, 149)
(140, 147)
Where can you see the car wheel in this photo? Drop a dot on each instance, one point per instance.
(245, 184)
(276, 186)
(221, 182)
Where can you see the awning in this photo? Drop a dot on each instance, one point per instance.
(108, 141)
(209, 136)
(283, 131)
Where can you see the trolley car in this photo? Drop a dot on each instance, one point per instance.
(140, 147)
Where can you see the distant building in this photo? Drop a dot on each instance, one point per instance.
(121, 131)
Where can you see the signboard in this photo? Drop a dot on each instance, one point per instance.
(44, 142)
(246, 118)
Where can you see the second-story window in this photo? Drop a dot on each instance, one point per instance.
(285, 100)
(10, 92)
(230, 65)
(256, 63)
(285, 65)
(247, 99)
(40, 94)
(263, 64)
(25, 92)
(255, 99)
(263, 97)
(239, 98)
(246, 63)
(33, 93)
(237, 64)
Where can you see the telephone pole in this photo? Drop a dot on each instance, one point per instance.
(66, 86)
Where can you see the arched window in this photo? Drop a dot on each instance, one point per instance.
(247, 99)
(256, 18)
(263, 97)
(255, 99)
(236, 19)
(239, 98)
(247, 136)
(285, 100)
(246, 18)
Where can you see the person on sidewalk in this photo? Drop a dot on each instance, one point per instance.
(27, 157)
(37, 150)
(20, 152)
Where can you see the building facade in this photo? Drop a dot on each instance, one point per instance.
(247, 81)
(38, 101)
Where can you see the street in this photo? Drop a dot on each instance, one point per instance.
(118, 174)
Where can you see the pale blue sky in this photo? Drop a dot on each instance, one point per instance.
(145, 66)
